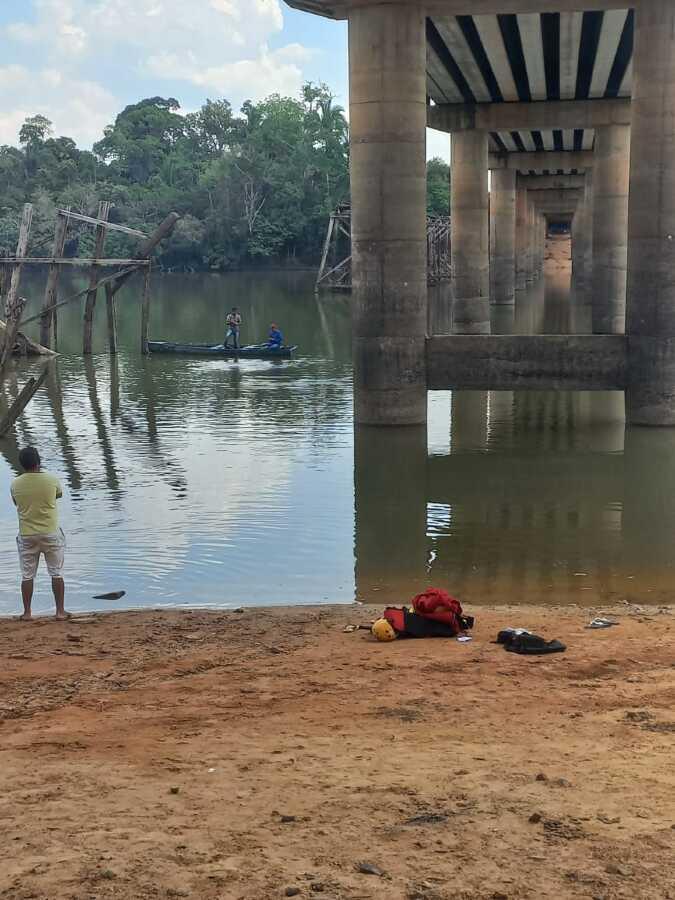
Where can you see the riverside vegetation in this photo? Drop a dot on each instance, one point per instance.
(253, 188)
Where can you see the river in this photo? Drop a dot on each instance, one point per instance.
(217, 483)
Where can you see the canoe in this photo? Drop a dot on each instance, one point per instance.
(252, 351)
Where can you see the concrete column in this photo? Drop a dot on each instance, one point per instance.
(469, 232)
(521, 238)
(387, 75)
(610, 228)
(651, 219)
(532, 234)
(577, 250)
(587, 212)
(503, 237)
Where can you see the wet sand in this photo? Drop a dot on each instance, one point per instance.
(257, 754)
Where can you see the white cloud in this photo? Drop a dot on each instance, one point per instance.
(272, 71)
(438, 144)
(79, 109)
(220, 46)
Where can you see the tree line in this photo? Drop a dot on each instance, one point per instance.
(253, 188)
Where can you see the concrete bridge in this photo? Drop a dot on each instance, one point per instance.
(577, 93)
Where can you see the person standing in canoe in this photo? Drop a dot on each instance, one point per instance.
(275, 339)
(233, 323)
(35, 494)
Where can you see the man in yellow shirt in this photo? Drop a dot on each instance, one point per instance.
(35, 494)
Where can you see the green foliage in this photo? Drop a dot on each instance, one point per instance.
(438, 187)
(252, 188)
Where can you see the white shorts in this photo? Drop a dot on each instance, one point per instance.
(52, 546)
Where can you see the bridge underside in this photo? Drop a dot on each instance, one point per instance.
(573, 112)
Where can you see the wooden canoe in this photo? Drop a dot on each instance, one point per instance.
(251, 351)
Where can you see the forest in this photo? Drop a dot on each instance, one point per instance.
(254, 188)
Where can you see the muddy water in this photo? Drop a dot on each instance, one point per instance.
(221, 483)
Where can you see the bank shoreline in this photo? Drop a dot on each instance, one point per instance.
(222, 754)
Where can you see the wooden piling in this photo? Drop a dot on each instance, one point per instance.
(111, 309)
(49, 314)
(13, 303)
(103, 213)
(30, 388)
(145, 312)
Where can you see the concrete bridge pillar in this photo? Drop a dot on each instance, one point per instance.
(503, 237)
(583, 237)
(469, 231)
(610, 228)
(577, 250)
(541, 244)
(651, 219)
(534, 228)
(387, 68)
(521, 238)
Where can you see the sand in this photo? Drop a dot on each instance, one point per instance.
(257, 754)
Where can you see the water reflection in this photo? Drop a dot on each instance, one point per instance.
(214, 482)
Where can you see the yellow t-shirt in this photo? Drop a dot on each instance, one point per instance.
(35, 495)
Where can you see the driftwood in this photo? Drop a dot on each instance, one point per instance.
(28, 391)
(24, 346)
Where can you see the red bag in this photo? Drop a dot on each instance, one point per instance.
(439, 606)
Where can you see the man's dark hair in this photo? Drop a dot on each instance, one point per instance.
(29, 459)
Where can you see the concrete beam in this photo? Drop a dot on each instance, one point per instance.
(561, 196)
(539, 116)
(339, 9)
(552, 182)
(542, 159)
(566, 362)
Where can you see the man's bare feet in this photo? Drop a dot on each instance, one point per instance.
(26, 617)
(61, 616)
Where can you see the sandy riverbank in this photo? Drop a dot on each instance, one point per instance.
(238, 755)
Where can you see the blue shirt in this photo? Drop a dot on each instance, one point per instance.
(276, 338)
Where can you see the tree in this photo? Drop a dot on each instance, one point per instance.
(438, 187)
(34, 131)
(258, 184)
(141, 138)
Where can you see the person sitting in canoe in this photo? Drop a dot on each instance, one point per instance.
(233, 323)
(275, 339)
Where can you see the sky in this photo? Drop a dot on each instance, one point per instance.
(79, 62)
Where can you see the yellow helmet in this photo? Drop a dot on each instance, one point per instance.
(383, 631)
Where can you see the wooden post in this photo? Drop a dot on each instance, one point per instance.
(27, 393)
(324, 257)
(4, 273)
(103, 213)
(14, 304)
(111, 309)
(145, 312)
(13, 272)
(14, 311)
(52, 285)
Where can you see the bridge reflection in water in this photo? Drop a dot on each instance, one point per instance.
(525, 498)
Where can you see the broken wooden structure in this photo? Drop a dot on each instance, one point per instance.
(335, 270)
(12, 305)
